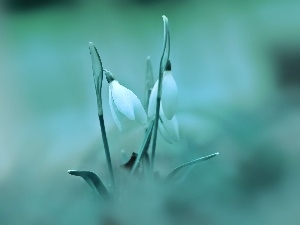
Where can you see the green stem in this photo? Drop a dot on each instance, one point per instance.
(106, 148)
(162, 64)
(155, 134)
(143, 148)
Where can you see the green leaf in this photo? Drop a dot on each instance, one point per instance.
(149, 82)
(93, 181)
(97, 73)
(175, 171)
(149, 75)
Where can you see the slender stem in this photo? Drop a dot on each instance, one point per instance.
(143, 147)
(148, 143)
(169, 40)
(146, 163)
(145, 158)
(154, 134)
(149, 82)
(166, 49)
(106, 148)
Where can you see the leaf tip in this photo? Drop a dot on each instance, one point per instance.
(91, 44)
(72, 172)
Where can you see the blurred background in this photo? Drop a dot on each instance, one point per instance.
(237, 68)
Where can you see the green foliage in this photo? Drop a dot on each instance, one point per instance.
(93, 181)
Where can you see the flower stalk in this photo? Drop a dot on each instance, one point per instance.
(163, 61)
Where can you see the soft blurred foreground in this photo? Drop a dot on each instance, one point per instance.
(236, 65)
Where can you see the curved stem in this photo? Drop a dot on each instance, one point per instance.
(165, 55)
(143, 148)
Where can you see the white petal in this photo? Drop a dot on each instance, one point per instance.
(171, 126)
(139, 111)
(169, 95)
(164, 133)
(152, 101)
(125, 104)
(114, 111)
(122, 98)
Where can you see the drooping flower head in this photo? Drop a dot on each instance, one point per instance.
(169, 94)
(168, 125)
(123, 103)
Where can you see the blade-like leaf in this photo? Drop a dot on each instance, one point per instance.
(143, 147)
(93, 181)
(97, 73)
(149, 74)
(149, 82)
(98, 77)
(174, 171)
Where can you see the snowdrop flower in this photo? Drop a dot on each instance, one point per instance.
(168, 128)
(124, 104)
(169, 95)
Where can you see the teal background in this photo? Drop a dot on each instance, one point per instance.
(234, 98)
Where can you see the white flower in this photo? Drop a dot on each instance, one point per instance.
(168, 128)
(124, 105)
(168, 98)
